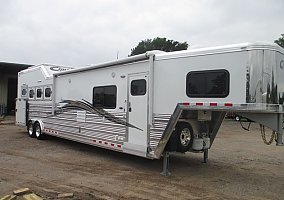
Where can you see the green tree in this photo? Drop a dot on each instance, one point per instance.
(280, 41)
(162, 44)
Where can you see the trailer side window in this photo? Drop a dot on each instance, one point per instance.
(39, 93)
(105, 97)
(31, 93)
(24, 92)
(138, 87)
(47, 92)
(208, 84)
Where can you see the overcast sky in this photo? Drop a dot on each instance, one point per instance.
(83, 32)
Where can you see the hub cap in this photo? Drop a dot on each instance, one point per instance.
(30, 129)
(185, 137)
(37, 132)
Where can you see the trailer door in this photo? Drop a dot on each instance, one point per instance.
(21, 112)
(138, 112)
(21, 105)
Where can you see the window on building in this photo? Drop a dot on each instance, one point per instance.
(31, 94)
(39, 93)
(208, 84)
(47, 92)
(138, 87)
(105, 96)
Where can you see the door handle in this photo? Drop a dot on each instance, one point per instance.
(129, 107)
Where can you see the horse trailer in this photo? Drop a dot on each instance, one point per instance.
(157, 102)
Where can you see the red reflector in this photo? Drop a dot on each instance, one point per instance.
(185, 104)
(119, 146)
(228, 104)
(112, 145)
(106, 143)
(213, 104)
(199, 104)
(100, 142)
(94, 140)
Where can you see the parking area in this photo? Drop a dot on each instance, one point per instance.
(240, 166)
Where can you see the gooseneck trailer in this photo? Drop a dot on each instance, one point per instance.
(154, 103)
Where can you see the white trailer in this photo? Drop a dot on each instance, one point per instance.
(154, 103)
(35, 86)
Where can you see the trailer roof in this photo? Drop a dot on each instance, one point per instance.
(220, 49)
(160, 55)
(47, 69)
(131, 59)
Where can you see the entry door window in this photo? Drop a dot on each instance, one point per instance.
(138, 87)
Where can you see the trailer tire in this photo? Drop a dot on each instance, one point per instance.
(38, 132)
(31, 130)
(172, 143)
(185, 136)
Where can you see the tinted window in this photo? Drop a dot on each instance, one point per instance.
(31, 93)
(138, 87)
(105, 97)
(24, 92)
(211, 83)
(47, 92)
(38, 93)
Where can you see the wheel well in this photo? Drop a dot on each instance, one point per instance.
(173, 143)
(37, 122)
(30, 121)
(34, 122)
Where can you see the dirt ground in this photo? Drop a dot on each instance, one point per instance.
(240, 167)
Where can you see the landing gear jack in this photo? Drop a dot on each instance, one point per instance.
(166, 164)
(205, 156)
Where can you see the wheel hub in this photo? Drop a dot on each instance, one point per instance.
(30, 130)
(185, 136)
(37, 131)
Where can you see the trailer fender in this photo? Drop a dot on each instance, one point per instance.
(167, 133)
(30, 121)
(40, 123)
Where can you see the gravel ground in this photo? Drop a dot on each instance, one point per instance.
(240, 167)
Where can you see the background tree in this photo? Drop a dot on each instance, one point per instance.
(162, 44)
(280, 41)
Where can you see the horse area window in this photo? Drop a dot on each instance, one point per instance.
(39, 93)
(31, 94)
(47, 92)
